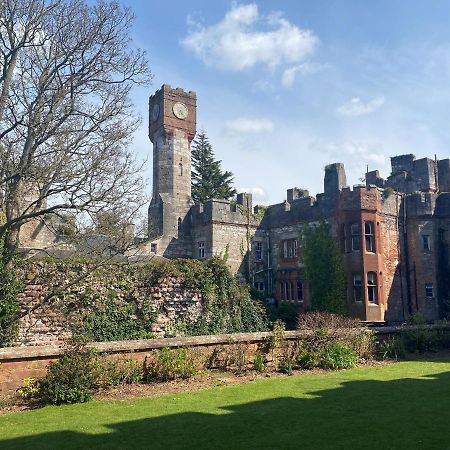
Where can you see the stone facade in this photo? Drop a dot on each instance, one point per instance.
(389, 231)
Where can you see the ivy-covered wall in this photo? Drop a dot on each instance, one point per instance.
(106, 302)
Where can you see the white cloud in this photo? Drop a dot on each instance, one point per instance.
(356, 107)
(306, 68)
(258, 193)
(353, 154)
(245, 125)
(244, 38)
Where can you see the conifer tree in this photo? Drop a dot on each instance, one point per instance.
(208, 179)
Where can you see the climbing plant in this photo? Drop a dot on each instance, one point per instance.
(323, 269)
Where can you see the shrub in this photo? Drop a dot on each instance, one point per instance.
(29, 389)
(392, 348)
(71, 379)
(308, 359)
(170, 364)
(337, 356)
(259, 362)
(114, 371)
(285, 366)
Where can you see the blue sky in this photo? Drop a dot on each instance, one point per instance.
(286, 87)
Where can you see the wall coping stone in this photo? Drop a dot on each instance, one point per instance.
(144, 345)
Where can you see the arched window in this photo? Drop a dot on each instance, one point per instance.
(372, 287)
(179, 223)
(180, 166)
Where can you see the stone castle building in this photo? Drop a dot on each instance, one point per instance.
(393, 234)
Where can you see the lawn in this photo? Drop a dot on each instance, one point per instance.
(399, 406)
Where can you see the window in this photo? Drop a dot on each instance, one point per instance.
(258, 251)
(299, 291)
(345, 231)
(357, 288)
(284, 290)
(292, 293)
(290, 248)
(426, 243)
(356, 236)
(372, 287)
(429, 290)
(259, 286)
(180, 166)
(179, 223)
(370, 236)
(201, 249)
(153, 248)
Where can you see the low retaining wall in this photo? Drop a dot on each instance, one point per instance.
(18, 363)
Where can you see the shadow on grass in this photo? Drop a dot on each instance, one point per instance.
(399, 414)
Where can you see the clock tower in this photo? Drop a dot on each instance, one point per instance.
(172, 126)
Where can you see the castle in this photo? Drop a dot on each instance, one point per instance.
(393, 234)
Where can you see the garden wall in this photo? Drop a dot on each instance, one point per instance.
(17, 363)
(125, 295)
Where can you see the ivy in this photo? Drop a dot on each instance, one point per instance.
(10, 288)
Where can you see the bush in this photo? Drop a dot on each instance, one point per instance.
(29, 389)
(332, 356)
(328, 328)
(259, 362)
(170, 364)
(337, 356)
(71, 379)
(115, 371)
(392, 348)
(285, 366)
(308, 359)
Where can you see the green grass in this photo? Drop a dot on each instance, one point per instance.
(399, 406)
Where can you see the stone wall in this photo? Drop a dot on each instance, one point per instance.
(85, 287)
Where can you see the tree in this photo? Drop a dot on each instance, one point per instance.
(208, 180)
(324, 270)
(66, 71)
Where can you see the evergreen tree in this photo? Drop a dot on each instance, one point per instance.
(208, 180)
(324, 270)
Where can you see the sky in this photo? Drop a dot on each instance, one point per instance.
(286, 87)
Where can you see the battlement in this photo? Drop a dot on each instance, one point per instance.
(224, 211)
(409, 175)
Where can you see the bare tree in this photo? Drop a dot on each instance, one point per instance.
(66, 119)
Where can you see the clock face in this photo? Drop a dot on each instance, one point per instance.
(155, 111)
(180, 110)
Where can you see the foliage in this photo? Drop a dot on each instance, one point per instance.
(277, 339)
(333, 328)
(259, 362)
(332, 355)
(113, 371)
(286, 312)
(337, 356)
(10, 287)
(387, 192)
(65, 110)
(285, 366)
(115, 323)
(71, 379)
(227, 306)
(170, 364)
(323, 270)
(443, 276)
(392, 348)
(208, 179)
(29, 389)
